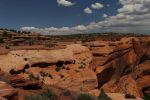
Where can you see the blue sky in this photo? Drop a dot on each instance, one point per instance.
(36, 15)
(47, 13)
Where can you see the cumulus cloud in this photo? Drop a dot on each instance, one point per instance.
(133, 16)
(65, 3)
(105, 15)
(88, 10)
(57, 31)
(97, 6)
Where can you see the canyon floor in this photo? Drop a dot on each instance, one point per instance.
(117, 68)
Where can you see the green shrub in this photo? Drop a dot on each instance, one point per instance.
(103, 96)
(130, 96)
(13, 71)
(146, 72)
(82, 65)
(147, 97)
(84, 96)
(50, 95)
(57, 69)
(7, 47)
(5, 34)
(15, 44)
(32, 77)
(67, 68)
(62, 76)
(1, 40)
(43, 74)
(49, 75)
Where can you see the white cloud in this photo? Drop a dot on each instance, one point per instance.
(97, 6)
(65, 3)
(88, 10)
(133, 16)
(105, 15)
(80, 28)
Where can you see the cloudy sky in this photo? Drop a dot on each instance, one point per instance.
(76, 16)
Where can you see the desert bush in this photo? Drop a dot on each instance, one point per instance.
(32, 77)
(82, 65)
(67, 93)
(13, 71)
(130, 96)
(7, 47)
(147, 97)
(5, 34)
(43, 74)
(62, 76)
(57, 69)
(31, 42)
(85, 96)
(67, 68)
(50, 95)
(49, 75)
(49, 45)
(15, 44)
(146, 72)
(103, 96)
(1, 40)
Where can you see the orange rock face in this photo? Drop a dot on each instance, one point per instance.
(119, 67)
(113, 61)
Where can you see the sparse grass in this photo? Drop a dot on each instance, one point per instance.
(50, 95)
(85, 96)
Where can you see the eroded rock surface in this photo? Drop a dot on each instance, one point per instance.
(114, 60)
(116, 66)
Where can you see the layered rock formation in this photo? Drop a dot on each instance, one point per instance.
(66, 68)
(113, 60)
(120, 67)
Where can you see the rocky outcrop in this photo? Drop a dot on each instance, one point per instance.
(126, 85)
(122, 60)
(114, 60)
(22, 59)
(66, 68)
